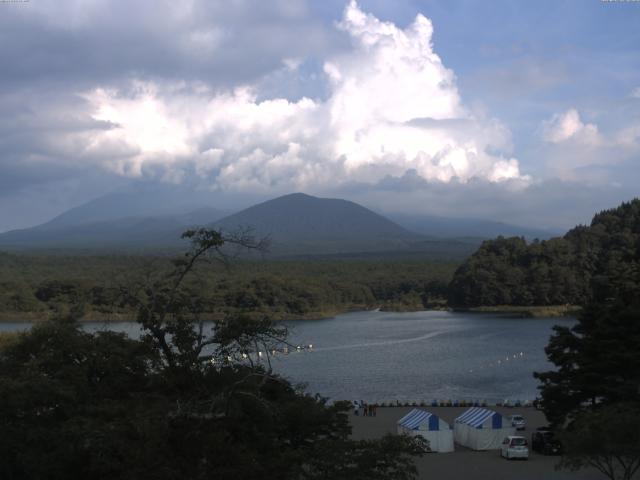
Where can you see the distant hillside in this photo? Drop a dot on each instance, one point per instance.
(300, 223)
(296, 224)
(121, 233)
(602, 259)
(466, 227)
(143, 201)
(151, 219)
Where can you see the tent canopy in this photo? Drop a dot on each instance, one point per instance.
(416, 418)
(476, 417)
(420, 423)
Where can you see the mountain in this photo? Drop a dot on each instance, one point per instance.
(300, 224)
(443, 227)
(138, 201)
(296, 224)
(118, 233)
(152, 218)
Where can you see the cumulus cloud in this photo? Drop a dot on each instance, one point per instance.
(579, 151)
(392, 107)
(569, 126)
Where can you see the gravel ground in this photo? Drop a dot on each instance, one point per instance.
(465, 464)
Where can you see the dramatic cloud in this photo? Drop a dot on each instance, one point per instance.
(254, 97)
(392, 107)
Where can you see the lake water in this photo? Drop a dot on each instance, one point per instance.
(420, 356)
(381, 356)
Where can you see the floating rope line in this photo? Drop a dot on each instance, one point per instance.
(501, 362)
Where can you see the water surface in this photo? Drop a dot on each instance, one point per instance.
(420, 356)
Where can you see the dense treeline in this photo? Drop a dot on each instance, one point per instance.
(603, 257)
(39, 286)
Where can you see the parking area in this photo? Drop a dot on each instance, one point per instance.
(465, 464)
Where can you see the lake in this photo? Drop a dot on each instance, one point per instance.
(418, 356)
(382, 356)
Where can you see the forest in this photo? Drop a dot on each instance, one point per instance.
(36, 287)
(602, 257)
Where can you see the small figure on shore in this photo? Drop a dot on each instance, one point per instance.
(366, 410)
(374, 409)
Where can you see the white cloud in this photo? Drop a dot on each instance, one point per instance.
(392, 107)
(578, 151)
(568, 125)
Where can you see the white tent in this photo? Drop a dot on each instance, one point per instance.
(429, 426)
(481, 429)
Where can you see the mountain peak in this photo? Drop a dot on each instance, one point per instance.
(330, 224)
(296, 195)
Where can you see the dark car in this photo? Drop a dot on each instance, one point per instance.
(543, 441)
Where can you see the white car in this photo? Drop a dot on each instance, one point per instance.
(518, 422)
(514, 447)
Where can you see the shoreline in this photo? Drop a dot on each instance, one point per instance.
(547, 311)
(532, 311)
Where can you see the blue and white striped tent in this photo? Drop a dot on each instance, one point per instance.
(481, 429)
(429, 426)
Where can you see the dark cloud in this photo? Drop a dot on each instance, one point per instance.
(104, 42)
(43, 138)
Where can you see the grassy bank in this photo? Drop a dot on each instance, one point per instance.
(95, 316)
(532, 311)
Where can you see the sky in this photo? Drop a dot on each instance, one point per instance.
(524, 112)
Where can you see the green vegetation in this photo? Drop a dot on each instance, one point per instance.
(598, 360)
(504, 275)
(593, 397)
(7, 339)
(560, 271)
(607, 439)
(37, 287)
(180, 403)
(530, 311)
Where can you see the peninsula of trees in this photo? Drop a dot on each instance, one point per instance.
(603, 257)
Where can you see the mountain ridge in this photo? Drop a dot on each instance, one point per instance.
(297, 223)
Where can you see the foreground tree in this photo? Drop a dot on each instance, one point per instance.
(181, 403)
(592, 399)
(607, 439)
(598, 361)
